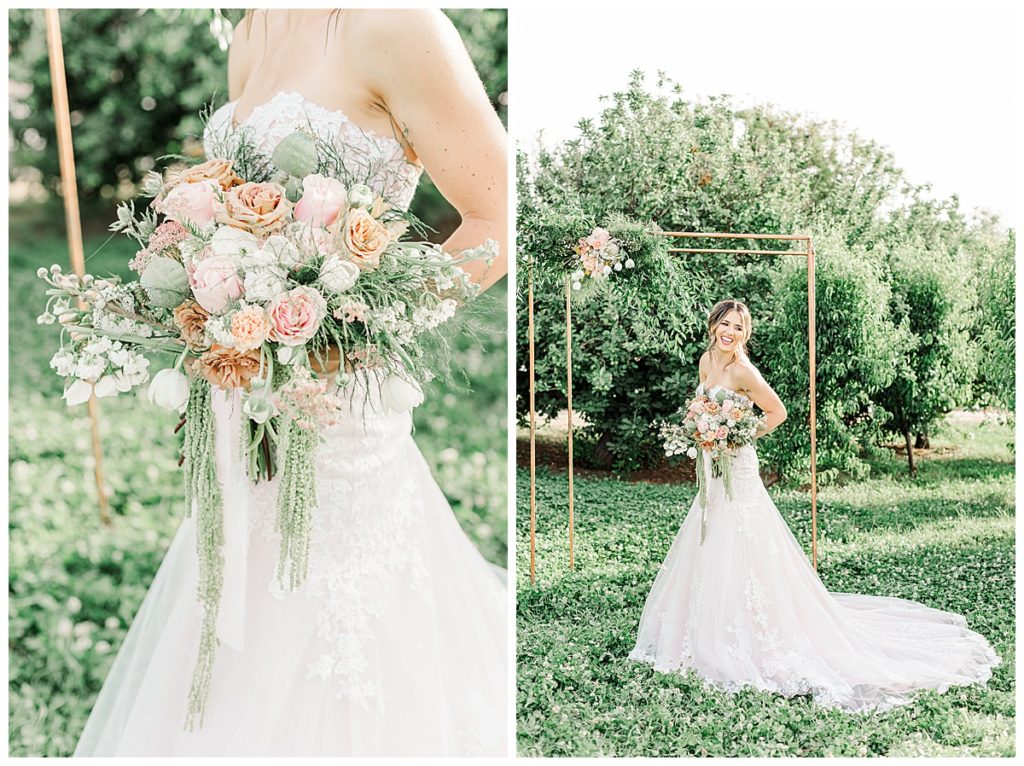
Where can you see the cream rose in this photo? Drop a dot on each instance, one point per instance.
(296, 316)
(218, 171)
(365, 238)
(261, 209)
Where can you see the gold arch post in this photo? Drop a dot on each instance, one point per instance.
(807, 252)
(72, 217)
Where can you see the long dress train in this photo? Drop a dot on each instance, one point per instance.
(746, 608)
(396, 643)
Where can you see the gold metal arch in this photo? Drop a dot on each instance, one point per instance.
(807, 252)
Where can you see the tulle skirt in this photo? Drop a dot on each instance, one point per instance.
(746, 609)
(394, 646)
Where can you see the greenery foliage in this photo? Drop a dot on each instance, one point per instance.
(653, 155)
(997, 322)
(75, 584)
(932, 298)
(138, 80)
(945, 539)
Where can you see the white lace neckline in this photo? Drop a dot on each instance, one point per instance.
(294, 95)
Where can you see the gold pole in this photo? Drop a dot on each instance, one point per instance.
(72, 216)
(533, 441)
(728, 235)
(814, 409)
(568, 389)
(733, 252)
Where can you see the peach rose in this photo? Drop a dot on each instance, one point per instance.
(261, 209)
(191, 320)
(598, 238)
(228, 367)
(250, 327)
(365, 239)
(322, 200)
(195, 202)
(218, 171)
(296, 316)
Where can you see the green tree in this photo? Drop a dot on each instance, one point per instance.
(996, 322)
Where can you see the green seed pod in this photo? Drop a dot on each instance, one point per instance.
(296, 155)
(293, 188)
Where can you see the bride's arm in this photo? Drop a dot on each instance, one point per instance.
(424, 76)
(763, 396)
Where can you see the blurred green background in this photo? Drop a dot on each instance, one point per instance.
(137, 82)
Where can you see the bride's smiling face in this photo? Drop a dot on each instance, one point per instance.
(729, 333)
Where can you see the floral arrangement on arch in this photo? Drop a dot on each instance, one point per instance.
(598, 255)
(281, 278)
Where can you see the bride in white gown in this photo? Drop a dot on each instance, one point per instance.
(745, 608)
(396, 644)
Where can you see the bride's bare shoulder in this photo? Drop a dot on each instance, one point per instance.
(402, 37)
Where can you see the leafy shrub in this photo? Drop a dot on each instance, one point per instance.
(856, 353)
(932, 298)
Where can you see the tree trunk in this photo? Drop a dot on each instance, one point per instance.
(922, 441)
(910, 452)
(603, 457)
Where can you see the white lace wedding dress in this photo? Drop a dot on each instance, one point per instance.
(395, 645)
(746, 608)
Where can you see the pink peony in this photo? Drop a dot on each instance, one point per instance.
(296, 315)
(216, 283)
(190, 202)
(322, 200)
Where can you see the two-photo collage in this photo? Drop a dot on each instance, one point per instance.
(537, 381)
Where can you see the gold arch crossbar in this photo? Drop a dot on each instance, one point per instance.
(807, 252)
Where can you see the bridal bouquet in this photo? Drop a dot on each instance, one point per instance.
(280, 278)
(714, 428)
(598, 255)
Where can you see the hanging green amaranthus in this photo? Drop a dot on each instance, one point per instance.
(203, 493)
(296, 499)
(721, 467)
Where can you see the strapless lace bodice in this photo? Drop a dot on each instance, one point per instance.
(701, 390)
(378, 161)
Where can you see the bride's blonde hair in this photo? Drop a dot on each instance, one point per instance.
(717, 314)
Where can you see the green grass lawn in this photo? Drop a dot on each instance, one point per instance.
(945, 539)
(75, 584)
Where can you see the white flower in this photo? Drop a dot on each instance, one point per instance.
(283, 250)
(233, 243)
(264, 284)
(218, 330)
(338, 275)
(169, 390)
(398, 394)
(618, 266)
(63, 362)
(98, 346)
(606, 270)
(106, 386)
(692, 453)
(77, 393)
(90, 367)
(360, 195)
(577, 286)
(290, 354)
(629, 263)
(259, 409)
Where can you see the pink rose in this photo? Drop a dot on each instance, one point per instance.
(322, 200)
(216, 283)
(722, 432)
(598, 238)
(296, 315)
(726, 406)
(190, 202)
